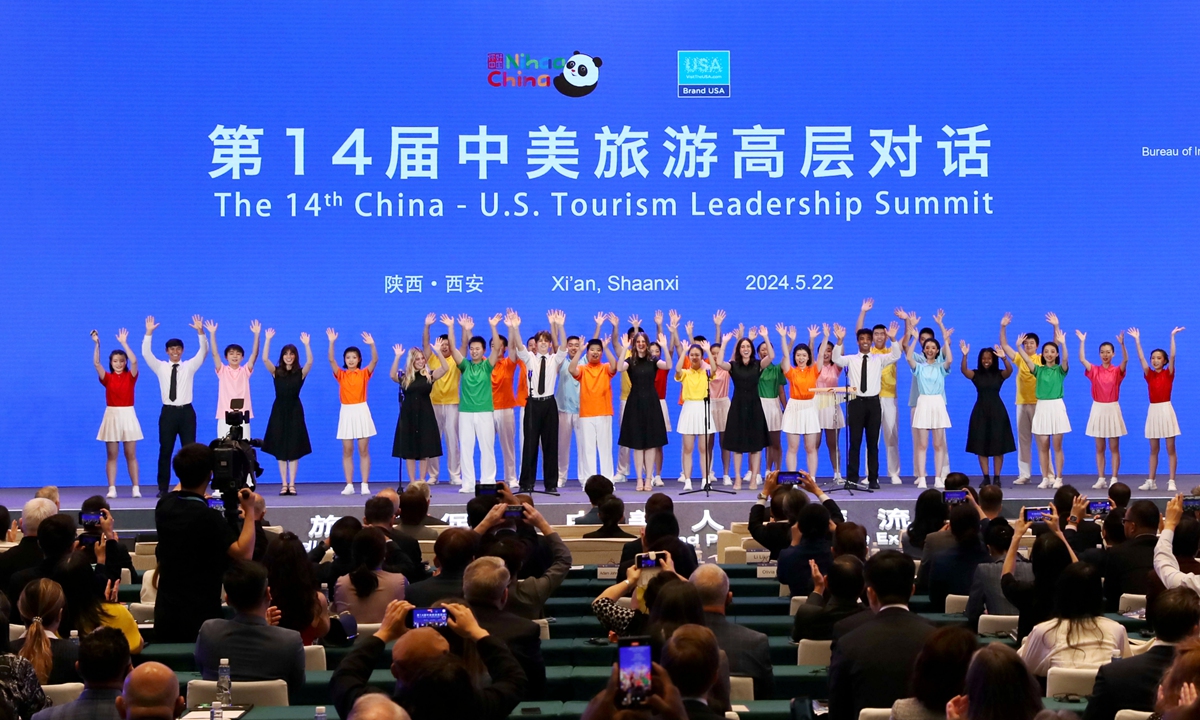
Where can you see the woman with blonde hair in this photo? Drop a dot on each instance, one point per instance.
(417, 438)
(53, 658)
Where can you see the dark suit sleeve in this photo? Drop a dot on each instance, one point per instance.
(350, 679)
(764, 675)
(841, 691)
(295, 678)
(936, 584)
(835, 512)
(499, 699)
(758, 515)
(975, 600)
(318, 552)
(1101, 705)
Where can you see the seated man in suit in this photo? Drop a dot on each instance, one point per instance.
(26, 553)
(873, 655)
(661, 533)
(485, 586)
(1132, 683)
(597, 488)
(951, 571)
(256, 650)
(748, 651)
(414, 509)
(403, 551)
(692, 659)
(527, 596)
(1127, 567)
(453, 551)
(985, 593)
(834, 598)
(612, 515)
(103, 664)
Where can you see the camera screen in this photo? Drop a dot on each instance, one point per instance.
(87, 519)
(1191, 504)
(1037, 514)
(428, 617)
(514, 512)
(954, 497)
(1099, 507)
(635, 673)
(647, 560)
(216, 503)
(788, 478)
(483, 489)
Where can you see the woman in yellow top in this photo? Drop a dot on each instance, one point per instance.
(695, 418)
(87, 609)
(801, 417)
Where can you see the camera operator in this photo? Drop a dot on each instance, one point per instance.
(195, 545)
(100, 543)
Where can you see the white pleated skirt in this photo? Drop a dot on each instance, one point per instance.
(120, 424)
(1105, 421)
(692, 419)
(801, 417)
(354, 422)
(930, 413)
(774, 414)
(1161, 421)
(830, 413)
(720, 413)
(666, 415)
(1050, 418)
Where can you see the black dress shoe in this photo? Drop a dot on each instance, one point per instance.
(874, 485)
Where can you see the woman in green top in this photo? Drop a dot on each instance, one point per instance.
(1050, 419)
(768, 392)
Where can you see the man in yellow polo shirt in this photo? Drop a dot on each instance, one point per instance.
(887, 391)
(1026, 398)
(445, 403)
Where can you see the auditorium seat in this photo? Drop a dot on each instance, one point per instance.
(144, 557)
(956, 604)
(813, 652)
(64, 693)
(15, 632)
(741, 689)
(1070, 681)
(875, 714)
(595, 551)
(1133, 715)
(262, 693)
(314, 658)
(991, 624)
(1131, 603)
(578, 531)
(142, 612)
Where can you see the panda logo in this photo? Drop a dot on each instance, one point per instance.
(580, 75)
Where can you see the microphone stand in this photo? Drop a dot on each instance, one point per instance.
(707, 488)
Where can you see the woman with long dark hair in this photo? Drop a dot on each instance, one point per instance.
(929, 516)
(90, 604)
(1078, 635)
(939, 674)
(1049, 557)
(989, 435)
(998, 687)
(746, 429)
(368, 588)
(294, 591)
(643, 429)
(287, 433)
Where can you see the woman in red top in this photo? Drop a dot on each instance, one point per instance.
(1160, 418)
(120, 424)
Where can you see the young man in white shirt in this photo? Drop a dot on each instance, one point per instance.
(177, 418)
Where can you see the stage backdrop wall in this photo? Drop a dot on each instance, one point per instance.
(357, 166)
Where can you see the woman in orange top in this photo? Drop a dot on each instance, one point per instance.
(354, 421)
(801, 417)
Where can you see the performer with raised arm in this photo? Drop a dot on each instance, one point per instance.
(233, 380)
(929, 373)
(1161, 423)
(989, 434)
(1105, 422)
(417, 440)
(695, 418)
(829, 409)
(718, 390)
(769, 395)
(1050, 419)
(864, 372)
(120, 424)
(623, 452)
(475, 417)
(287, 433)
(178, 417)
(355, 425)
(801, 420)
(444, 397)
(504, 403)
(595, 405)
(914, 394)
(566, 397)
(887, 392)
(1026, 398)
(746, 429)
(642, 427)
(541, 408)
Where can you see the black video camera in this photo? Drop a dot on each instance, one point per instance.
(235, 462)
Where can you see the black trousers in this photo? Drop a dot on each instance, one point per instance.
(174, 421)
(540, 427)
(864, 413)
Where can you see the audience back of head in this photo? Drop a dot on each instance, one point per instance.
(957, 481)
(455, 548)
(845, 579)
(1143, 515)
(712, 585)
(850, 538)
(691, 657)
(485, 582)
(56, 536)
(103, 656)
(34, 512)
(245, 585)
(193, 466)
(342, 534)
(1176, 614)
(940, 670)
(597, 488)
(1120, 493)
(151, 693)
(889, 575)
(1000, 687)
(991, 498)
(414, 506)
(611, 510)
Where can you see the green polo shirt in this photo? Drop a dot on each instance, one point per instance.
(475, 386)
(770, 381)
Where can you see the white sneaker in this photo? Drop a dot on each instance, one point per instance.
(1021, 481)
(456, 481)
(658, 481)
(1171, 486)
(726, 481)
(1100, 484)
(1113, 481)
(349, 489)
(837, 477)
(939, 483)
(921, 483)
(687, 484)
(1045, 483)
(746, 477)
(896, 480)
(1148, 485)
(466, 491)
(137, 491)
(1058, 482)
(366, 489)
(112, 491)
(618, 478)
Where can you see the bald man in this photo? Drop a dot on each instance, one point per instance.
(748, 650)
(376, 706)
(151, 693)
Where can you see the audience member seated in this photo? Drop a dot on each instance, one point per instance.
(665, 702)
(151, 693)
(53, 658)
(986, 593)
(678, 604)
(376, 706)
(431, 684)
(485, 586)
(293, 583)
(597, 488)
(1120, 494)
(1184, 547)
(785, 504)
(20, 692)
(256, 650)
(991, 502)
(939, 674)
(850, 538)
(998, 687)
(632, 620)
(811, 540)
(929, 516)
(88, 608)
(50, 492)
(1078, 635)
(873, 654)
(366, 591)
(423, 487)
(103, 664)
(402, 553)
(414, 508)
(1132, 683)
(539, 553)
(259, 516)
(959, 481)
(748, 650)
(692, 658)
(1127, 566)
(27, 553)
(56, 538)
(195, 546)
(661, 534)
(453, 551)
(835, 597)
(952, 571)
(1181, 679)
(528, 595)
(1048, 558)
(101, 543)
(612, 515)
(1081, 536)
(341, 541)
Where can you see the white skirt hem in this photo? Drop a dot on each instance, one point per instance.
(1105, 421)
(1161, 421)
(355, 423)
(1050, 418)
(120, 424)
(801, 417)
(692, 419)
(930, 413)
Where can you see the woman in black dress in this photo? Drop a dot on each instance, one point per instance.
(746, 426)
(643, 429)
(417, 439)
(990, 433)
(287, 435)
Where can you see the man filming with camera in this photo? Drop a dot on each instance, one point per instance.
(195, 545)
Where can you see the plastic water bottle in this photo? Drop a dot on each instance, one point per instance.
(325, 590)
(75, 637)
(224, 684)
(320, 713)
(217, 712)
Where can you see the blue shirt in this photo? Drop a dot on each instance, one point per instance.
(567, 392)
(930, 378)
(92, 704)
(913, 389)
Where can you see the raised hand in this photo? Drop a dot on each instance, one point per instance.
(791, 333)
(662, 341)
(658, 316)
(1121, 338)
(270, 333)
(762, 331)
(303, 338)
(893, 329)
(1052, 319)
(95, 337)
(511, 318)
(430, 319)
(255, 327)
(1134, 333)
(210, 326)
(447, 320)
(674, 317)
(839, 332)
(999, 351)
(635, 320)
(900, 313)
(197, 323)
(600, 317)
(1060, 337)
(939, 316)
(704, 345)
(612, 318)
(1176, 331)
(963, 347)
(398, 349)
(331, 334)
(495, 320)
(1004, 321)
(948, 333)
(726, 338)
(606, 340)
(825, 328)
(1081, 335)
(719, 317)
(740, 331)
(781, 329)
(753, 332)
(466, 322)
(625, 343)
(867, 304)
(366, 336)
(813, 330)
(1021, 340)
(122, 335)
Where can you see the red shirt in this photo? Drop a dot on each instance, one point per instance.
(1160, 383)
(118, 389)
(660, 383)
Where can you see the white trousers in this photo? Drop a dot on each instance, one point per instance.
(622, 452)
(568, 423)
(595, 439)
(506, 427)
(447, 422)
(1025, 439)
(890, 435)
(477, 428)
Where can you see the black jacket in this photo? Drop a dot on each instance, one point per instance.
(1127, 569)
(697, 710)
(951, 572)
(775, 536)
(523, 638)
(748, 651)
(871, 664)
(613, 533)
(23, 556)
(427, 592)
(1129, 684)
(682, 554)
(63, 654)
(816, 617)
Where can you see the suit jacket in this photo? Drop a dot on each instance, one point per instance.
(1087, 537)
(63, 654)
(528, 596)
(522, 637)
(1129, 683)
(25, 554)
(935, 542)
(404, 556)
(418, 532)
(748, 651)
(427, 592)
(1127, 568)
(92, 704)
(697, 710)
(871, 664)
(951, 572)
(614, 533)
(591, 517)
(775, 536)
(816, 618)
(793, 569)
(682, 554)
(256, 651)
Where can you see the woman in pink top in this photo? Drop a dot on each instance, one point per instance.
(830, 410)
(1105, 422)
(233, 380)
(366, 591)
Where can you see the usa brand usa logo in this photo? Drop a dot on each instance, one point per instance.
(703, 73)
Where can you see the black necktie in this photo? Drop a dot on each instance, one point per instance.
(862, 378)
(542, 377)
(174, 376)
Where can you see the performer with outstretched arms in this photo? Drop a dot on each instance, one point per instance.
(417, 441)
(642, 427)
(929, 373)
(355, 425)
(989, 434)
(864, 372)
(829, 409)
(1026, 399)
(445, 402)
(1105, 422)
(1050, 421)
(595, 406)
(746, 429)
(1161, 423)
(801, 420)
(120, 424)
(178, 417)
(541, 409)
(475, 417)
(287, 433)
(233, 379)
(887, 392)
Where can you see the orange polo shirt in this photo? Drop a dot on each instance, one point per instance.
(595, 390)
(503, 397)
(352, 385)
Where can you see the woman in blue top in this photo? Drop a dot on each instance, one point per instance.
(929, 374)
